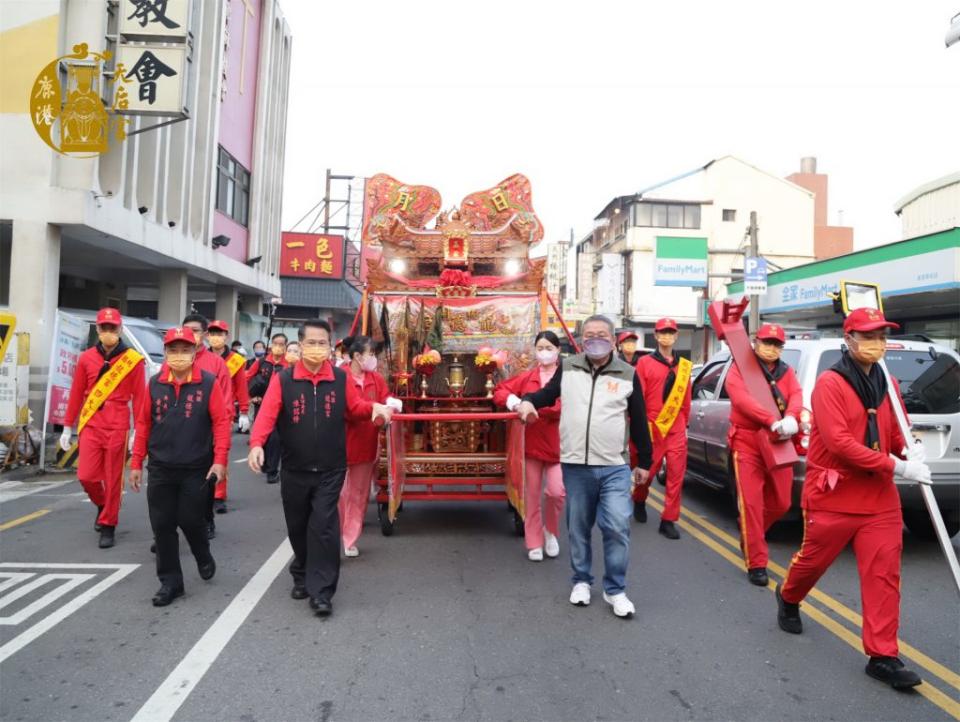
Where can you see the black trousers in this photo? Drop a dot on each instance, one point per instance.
(313, 525)
(271, 454)
(177, 497)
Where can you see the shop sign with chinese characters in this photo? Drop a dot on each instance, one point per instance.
(311, 255)
(153, 72)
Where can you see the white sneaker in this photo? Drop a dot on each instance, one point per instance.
(552, 545)
(622, 606)
(351, 552)
(580, 596)
(535, 555)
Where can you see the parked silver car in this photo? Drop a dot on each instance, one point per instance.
(929, 377)
(145, 335)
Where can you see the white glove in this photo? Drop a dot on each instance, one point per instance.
(788, 426)
(395, 404)
(66, 438)
(513, 401)
(243, 423)
(915, 452)
(133, 436)
(911, 470)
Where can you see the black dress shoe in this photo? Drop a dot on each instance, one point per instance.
(220, 506)
(892, 671)
(273, 478)
(106, 537)
(166, 595)
(669, 530)
(299, 591)
(153, 548)
(640, 511)
(321, 607)
(758, 576)
(211, 530)
(207, 569)
(788, 615)
(97, 526)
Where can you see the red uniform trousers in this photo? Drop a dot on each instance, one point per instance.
(763, 495)
(673, 448)
(100, 469)
(877, 543)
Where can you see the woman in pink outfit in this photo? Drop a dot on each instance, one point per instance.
(362, 438)
(542, 450)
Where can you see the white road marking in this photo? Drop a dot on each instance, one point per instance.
(13, 578)
(61, 613)
(11, 490)
(72, 581)
(173, 692)
(241, 461)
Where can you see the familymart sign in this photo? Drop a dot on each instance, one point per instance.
(680, 262)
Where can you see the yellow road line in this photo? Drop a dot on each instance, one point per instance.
(907, 650)
(927, 690)
(23, 519)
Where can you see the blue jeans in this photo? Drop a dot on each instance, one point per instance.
(599, 494)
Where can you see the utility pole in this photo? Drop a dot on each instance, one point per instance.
(754, 323)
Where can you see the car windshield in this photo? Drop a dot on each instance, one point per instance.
(151, 339)
(928, 385)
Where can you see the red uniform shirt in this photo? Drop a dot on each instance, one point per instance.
(208, 361)
(239, 383)
(653, 377)
(747, 413)
(541, 438)
(357, 406)
(256, 366)
(114, 412)
(362, 433)
(219, 416)
(864, 477)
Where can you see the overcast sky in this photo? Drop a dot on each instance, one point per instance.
(593, 100)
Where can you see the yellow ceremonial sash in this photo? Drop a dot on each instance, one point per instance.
(235, 362)
(107, 384)
(674, 403)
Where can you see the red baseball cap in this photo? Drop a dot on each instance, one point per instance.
(665, 324)
(217, 324)
(109, 315)
(626, 335)
(772, 332)
(178, 333)
(866, 319)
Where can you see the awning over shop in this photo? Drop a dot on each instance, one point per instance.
(321, 294)
(920, 276)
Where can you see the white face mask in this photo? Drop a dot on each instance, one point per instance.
(369, 363)
(547, 358)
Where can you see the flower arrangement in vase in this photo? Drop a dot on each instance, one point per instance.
(488, 362)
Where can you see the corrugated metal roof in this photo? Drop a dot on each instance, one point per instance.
(319, 293)
(928, 187)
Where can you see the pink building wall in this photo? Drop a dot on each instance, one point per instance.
(238, 107)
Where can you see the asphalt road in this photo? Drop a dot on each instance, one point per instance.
(444, 620)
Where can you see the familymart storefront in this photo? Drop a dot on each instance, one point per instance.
(919, 279)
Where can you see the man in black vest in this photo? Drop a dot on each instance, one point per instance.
(183, 426)
(308, 405)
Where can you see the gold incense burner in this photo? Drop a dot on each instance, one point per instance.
(456, 378)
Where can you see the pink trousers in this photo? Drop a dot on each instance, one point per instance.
(353, 501)
(535, 519)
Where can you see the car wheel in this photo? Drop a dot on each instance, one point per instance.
(919, 524)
